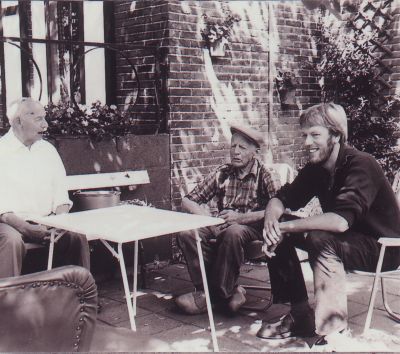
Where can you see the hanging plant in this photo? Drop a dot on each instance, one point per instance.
(286, 86)
(216, 34)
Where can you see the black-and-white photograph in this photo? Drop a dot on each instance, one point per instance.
(199, 176)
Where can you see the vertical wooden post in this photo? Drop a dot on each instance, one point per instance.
(26, 48)
(110, 55)
(2, 75)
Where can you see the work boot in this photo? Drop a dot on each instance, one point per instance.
(287, 326)
(193, 303)
(238, 299)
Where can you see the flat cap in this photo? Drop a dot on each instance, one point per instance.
(249, 133)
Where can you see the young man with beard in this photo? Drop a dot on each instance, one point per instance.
(242, 189)
(358, 206)
(32, 182)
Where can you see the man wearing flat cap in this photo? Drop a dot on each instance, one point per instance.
(358, 207)
(242, 189)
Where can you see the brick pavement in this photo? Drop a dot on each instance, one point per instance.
(158, 317)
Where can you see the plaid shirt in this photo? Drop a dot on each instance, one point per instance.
(251, 193)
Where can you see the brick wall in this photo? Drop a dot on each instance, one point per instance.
(141, 31)
(208, 93)
(295, 31)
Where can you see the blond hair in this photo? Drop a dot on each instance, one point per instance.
(329, 115)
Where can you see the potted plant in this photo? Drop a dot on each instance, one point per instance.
(216, 34)
(97, 121)
(286, 86)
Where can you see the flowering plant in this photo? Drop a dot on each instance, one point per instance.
(214, 32)
(97, 121)
(285, 80)
(348, 75)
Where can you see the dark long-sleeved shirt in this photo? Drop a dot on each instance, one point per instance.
(359, 192)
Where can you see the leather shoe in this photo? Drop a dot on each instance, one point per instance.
(193, 303)
(325, 339)
(287, 327)
(238, 299)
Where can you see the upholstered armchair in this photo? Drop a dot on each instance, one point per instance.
(55, 311)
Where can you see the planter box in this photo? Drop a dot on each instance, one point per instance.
(132, 152)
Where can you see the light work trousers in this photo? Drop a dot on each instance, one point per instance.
(330, 256)
(71, 248)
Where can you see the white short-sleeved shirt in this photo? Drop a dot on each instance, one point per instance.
(32, 181)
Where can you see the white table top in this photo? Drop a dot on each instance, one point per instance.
(126, 223)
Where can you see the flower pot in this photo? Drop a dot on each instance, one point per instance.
(88, 200)
(288, 96)
(217, 48)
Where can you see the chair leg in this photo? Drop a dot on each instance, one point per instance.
(374, 289)
(143, 268)
(393, 315)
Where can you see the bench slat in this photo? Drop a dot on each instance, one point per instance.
(113, 179)
(32, 246)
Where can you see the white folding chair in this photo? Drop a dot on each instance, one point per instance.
(385, 242)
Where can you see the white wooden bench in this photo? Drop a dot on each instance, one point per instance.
(99, 180)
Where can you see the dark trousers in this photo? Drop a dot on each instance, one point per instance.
(330, 256)
(223, 256)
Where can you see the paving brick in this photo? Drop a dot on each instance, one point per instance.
(159, 317)
(192, 338)
(153, 324)
(155, 302)
(170, 285)
(113, 312)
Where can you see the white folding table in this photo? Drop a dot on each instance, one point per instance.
(127, 223)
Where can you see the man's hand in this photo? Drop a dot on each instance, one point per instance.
(272, 233)
(38, 233)
(231, 217)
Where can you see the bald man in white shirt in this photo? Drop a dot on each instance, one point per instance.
(32, 182)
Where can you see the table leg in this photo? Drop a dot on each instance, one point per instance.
(53, 240)
(135, 270)
(207, 293)
(131, 311)
(51, 249)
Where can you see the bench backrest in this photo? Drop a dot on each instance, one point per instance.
(103, 180)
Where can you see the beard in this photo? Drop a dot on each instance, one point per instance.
(324, 153)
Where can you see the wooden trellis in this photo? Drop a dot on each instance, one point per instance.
(372, 23)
